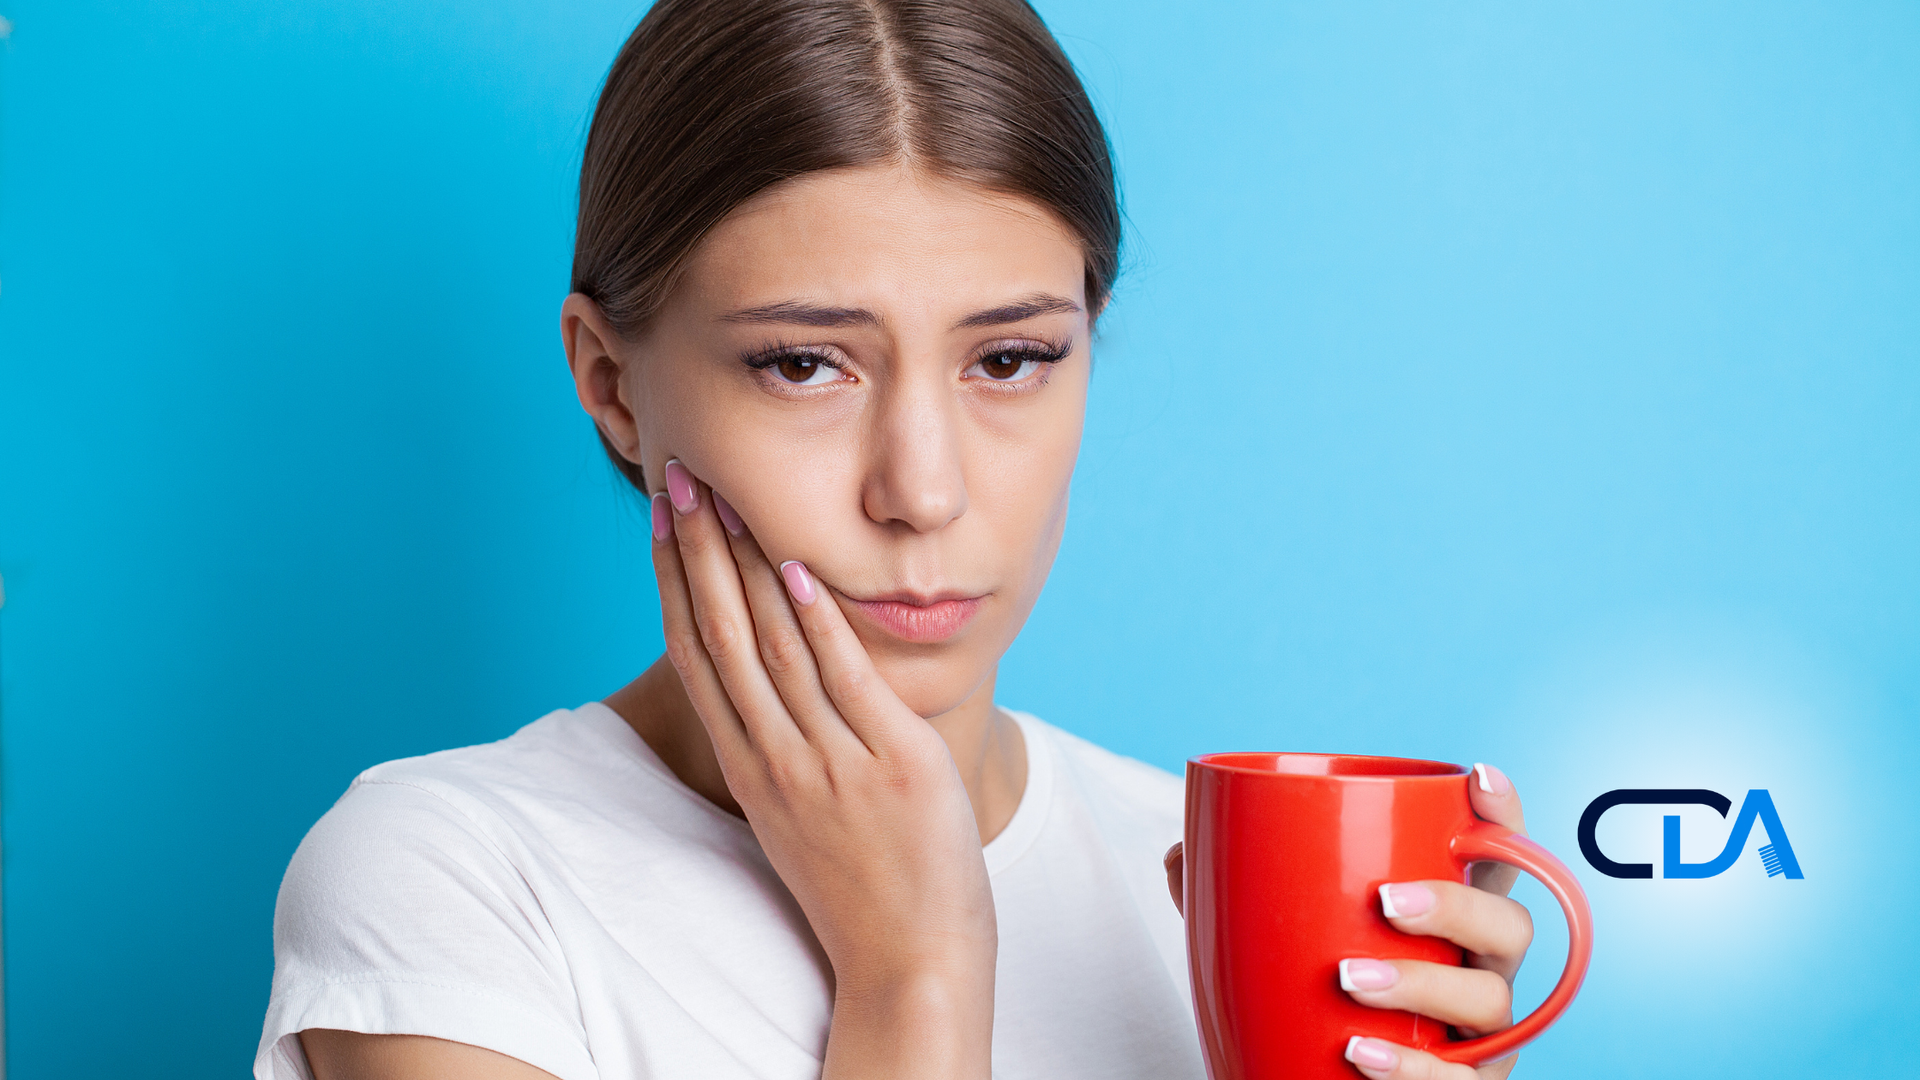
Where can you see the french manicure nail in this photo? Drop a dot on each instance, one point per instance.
(686, 497)
(727, 516)
(1405, 900)
(662, 517)
(1357, 974)
(799, 582)
(1371, 1054)
(1492, 780)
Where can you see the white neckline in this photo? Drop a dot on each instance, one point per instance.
(1029, 817)
(611, 726)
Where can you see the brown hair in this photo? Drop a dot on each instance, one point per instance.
(711, 102)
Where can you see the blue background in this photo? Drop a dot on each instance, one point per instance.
(1528, 382)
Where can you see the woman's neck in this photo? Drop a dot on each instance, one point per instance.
(986, 744)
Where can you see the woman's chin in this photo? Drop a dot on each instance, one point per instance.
(933, 688)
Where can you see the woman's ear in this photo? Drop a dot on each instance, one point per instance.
(590, 343)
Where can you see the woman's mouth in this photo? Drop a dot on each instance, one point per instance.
(921, 621)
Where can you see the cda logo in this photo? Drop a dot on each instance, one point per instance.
(1776, 856)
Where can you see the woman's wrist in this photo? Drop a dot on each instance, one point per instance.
(927, 1020)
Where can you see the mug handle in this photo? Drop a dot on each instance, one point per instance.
(1486, 842)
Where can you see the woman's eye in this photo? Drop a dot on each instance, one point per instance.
(1008, 366)
(802, 370)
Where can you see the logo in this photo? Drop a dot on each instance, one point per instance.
(1776, 856)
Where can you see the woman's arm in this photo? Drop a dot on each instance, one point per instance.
(350, 1055)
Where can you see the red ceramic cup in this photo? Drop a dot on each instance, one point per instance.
(1285, 856)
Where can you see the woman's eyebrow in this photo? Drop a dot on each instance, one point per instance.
(796, 313)
(1024, 308)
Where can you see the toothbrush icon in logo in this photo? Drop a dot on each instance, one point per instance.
(1771, 859)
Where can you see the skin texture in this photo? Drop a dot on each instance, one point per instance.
(909, 446)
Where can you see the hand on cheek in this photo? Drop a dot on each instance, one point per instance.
(854, 799)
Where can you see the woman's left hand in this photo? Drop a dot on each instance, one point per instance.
(1477, 998)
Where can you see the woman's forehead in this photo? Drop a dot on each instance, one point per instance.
(884, 236)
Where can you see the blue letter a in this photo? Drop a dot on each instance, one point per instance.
(1777, 855)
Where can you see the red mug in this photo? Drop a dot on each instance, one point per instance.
(1285, 856)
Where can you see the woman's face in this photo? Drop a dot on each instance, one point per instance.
(885, 373)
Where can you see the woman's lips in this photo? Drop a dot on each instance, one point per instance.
(931, 621)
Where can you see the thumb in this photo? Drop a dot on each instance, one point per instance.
(1176, 861)
(1495, 800)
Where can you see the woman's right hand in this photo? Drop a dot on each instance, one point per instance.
(853, 796)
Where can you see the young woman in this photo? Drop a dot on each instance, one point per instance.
(838, 265)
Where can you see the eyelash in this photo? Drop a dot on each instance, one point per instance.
(765, 359)
(1046, 354)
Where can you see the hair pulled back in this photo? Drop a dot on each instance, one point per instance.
(711, 102)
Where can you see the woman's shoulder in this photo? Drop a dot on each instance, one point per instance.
(549, 752)
(415, 904)
(567, 759)
(497, 806)
(451, 801)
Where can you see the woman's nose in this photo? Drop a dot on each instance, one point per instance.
(915, 476)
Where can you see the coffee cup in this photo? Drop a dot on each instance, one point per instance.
(1285, 857)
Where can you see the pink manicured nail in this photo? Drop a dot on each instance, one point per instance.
(1404, 901)
(727, 517)
(799, 582)
(1357, 974)
(1371, 1054)
(1492, 780)
(685, 496)
(662, 517)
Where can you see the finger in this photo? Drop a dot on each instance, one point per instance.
(1176, 884)
(1379, 1059)
(684, 649)
(1495, 800)
(720, 613)
(862, 697)
(1497, 1070)
(784, 651)
(1489, 925)
(1473, 1000)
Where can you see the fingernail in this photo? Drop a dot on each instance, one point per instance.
(1405, 901)
(1358, 974)
(662, 517)
(1371, 1054)
(686, 497)
(799, 582)
(727, 517)
(1492, 780)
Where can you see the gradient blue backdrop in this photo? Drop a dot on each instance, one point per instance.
(1529, 382)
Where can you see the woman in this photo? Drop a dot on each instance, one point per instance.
(837, 269)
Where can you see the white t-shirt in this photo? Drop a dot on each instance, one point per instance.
(562, 898)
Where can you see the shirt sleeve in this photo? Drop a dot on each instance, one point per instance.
(402, 913)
